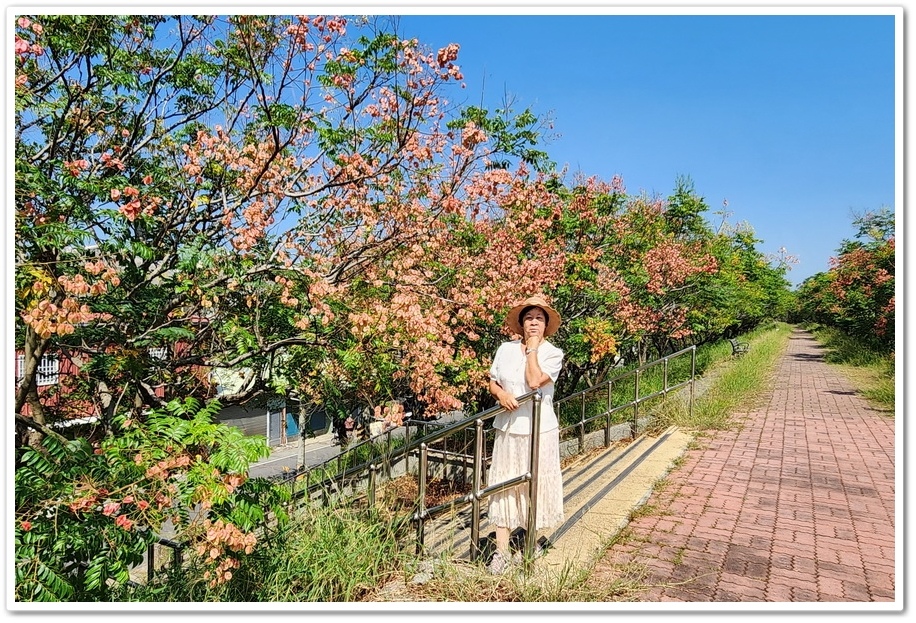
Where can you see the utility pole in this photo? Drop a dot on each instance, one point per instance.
(303, 424)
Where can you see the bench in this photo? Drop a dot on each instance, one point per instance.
(738, 348)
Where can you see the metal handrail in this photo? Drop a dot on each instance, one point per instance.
(637, 398)
(479, 492)
(491, 413)
(421, 445)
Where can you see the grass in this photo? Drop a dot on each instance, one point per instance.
(730, 384)
(325, 554)
(455, 581)
(871, 372)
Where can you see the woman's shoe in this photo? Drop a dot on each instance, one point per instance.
(519, 555)
(499, 564)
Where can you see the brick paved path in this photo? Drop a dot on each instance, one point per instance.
(797, 506)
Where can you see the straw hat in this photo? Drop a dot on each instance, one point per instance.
(553, 317)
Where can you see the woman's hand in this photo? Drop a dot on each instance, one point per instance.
(534, 376)
(507, 401)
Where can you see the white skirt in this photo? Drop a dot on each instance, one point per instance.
(509, 508)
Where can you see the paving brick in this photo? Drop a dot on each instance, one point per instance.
(796, 505)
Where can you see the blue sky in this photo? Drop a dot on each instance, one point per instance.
(787, 116)
(790, 118)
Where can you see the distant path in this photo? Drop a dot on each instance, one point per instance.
(796, 506)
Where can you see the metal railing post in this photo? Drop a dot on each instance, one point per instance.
(477, 486)
(373, 471)
(388, 451)
(582, 426)
(150, 562)
(421, 498)
(531, 536)
(635, 426)
(610, 405)
(464, 463)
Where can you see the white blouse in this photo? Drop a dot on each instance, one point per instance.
(508, 370)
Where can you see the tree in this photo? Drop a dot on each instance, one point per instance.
(857, 294)
(293, 199)
(181, 208)
(659, 267)
(224, 201)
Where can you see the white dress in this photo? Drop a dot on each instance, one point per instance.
(509, 508)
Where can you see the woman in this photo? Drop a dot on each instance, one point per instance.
(519, 367)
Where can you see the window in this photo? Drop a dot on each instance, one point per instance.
(48, 370)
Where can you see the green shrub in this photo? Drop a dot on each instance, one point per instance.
(85, 514)
(325, 554)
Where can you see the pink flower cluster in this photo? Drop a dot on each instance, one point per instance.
(324, 29)
(23, 48)
(112, 162)
(134, 206)
(47, 318)
(670, 265)
(75, 167)
(391, 416)
(218, 540)
(161, 470)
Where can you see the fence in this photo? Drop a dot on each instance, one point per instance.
(461, 451)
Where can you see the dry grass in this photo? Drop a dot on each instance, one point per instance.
(402, 493)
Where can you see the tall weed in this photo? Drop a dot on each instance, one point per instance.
(326, 555)
(871, 371)
(730, 382)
